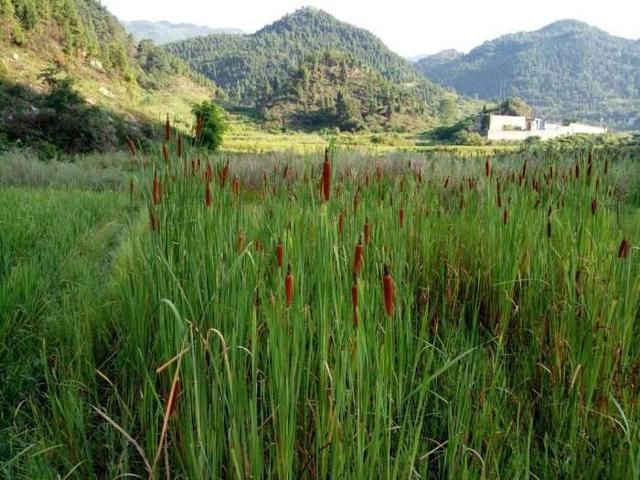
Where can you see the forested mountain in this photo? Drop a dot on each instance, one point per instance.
(567, 70)
(248, 67)
(71, 78)
(166, 32)
(332, 89)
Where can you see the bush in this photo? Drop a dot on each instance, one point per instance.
(213, 125)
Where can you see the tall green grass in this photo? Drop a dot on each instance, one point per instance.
(510, 353)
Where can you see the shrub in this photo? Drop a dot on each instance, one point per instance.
(211, 124)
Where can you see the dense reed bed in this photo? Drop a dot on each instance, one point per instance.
(434, 318)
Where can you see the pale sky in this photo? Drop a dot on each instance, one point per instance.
(409, 27)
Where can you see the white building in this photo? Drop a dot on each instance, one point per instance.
(502, 127)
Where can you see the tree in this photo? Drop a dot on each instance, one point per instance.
(448, 110)
(348, 116)
(211, 124)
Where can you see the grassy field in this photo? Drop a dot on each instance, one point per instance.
(150, 330)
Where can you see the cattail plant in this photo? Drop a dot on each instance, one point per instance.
(389, 291)
(356, 200)
(167, 130)
(401, 217)
(326, 176)
(499, 194)
(624, 249)
(157, 190)
(341, 222)
(240, 242)
(207, 195)
(154, 221)
(223, 174)
(288, 286)
(487, 168)
(505, 216)
(165, 153)
(357, 258)
(180, 146)
(594, 206)
(279, 254)
(235, 186)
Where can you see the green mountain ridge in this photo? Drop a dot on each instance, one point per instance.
(250, 67)
(566, 70)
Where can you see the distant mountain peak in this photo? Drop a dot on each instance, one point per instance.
(567, 69)
(566, 26)
(165, 32)
(247, 65)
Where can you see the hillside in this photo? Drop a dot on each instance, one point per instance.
(166, 32)
(334, 90)
(249, 67)
(565, 70)
(72, 80)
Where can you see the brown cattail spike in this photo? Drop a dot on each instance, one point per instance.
(288, 286)
(157, 190)
(165, 152)
(326, 176)
(240, 242)
(207, 196)
(167, 130)
(367, 231)
(389, 291)
(357, 259)
(624, 249)
(279, 254)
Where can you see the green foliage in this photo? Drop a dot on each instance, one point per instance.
(348, 116)
(331, 89)
(460, 133)
(60, 121)
(213, 123)
(249, 67)
(511, 351)
(567, 69)
(62, 94)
